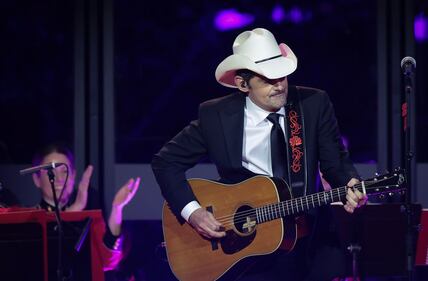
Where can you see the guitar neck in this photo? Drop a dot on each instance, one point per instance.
(300, 204)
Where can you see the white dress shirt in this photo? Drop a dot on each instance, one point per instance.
(256, 155)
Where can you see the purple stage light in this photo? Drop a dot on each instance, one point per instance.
(420, 26)
(278, 14)
(232, 19)
(345, 142)
(296, 15)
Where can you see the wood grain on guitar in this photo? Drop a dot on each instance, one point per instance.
(259, 216)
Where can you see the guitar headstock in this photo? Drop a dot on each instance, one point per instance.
(388, 183)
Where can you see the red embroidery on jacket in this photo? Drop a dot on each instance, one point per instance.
(295, 141)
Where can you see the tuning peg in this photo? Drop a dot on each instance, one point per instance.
(381, 196)
(376, 174)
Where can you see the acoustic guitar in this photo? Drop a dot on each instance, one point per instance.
(259, 216)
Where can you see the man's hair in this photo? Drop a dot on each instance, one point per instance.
(246, 74)
(51, 148)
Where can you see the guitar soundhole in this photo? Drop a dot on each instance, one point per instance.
(245, 220)
(245, 224)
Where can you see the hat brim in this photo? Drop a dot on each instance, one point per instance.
(271, 69)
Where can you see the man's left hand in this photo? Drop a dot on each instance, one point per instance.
(354, 198)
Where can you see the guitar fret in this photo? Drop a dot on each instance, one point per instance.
(286, 204)
(267, 212)
(325, 198)
(319, 201)
(264, 213)
(291, 204)
(313, 202)
(297, 206)
(283, 209)
(331, 193)
(338, 194)
(307, 201)
(275, 212)
(301, 203)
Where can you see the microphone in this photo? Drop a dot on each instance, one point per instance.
(408, 65)
(48, 166)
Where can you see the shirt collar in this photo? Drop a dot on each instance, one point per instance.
(257, 114)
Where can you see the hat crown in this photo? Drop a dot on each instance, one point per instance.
(258, 44)
(257, 51)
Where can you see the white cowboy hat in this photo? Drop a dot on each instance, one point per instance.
(258, 51)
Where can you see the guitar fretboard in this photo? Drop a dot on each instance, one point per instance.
(305, 203)
(300, 204)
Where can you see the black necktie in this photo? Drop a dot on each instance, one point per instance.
(277, 146)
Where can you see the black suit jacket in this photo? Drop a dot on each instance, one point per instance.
(218, 134)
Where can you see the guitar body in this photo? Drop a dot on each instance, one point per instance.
(258, 215)
(193, 257)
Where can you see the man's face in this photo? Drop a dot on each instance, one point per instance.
(42, 180)
(269, 95)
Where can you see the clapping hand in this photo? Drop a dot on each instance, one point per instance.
(82, 191)
(122, 197)
(126, 193)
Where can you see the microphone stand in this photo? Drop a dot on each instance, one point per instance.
(59, 272)
(407, 115)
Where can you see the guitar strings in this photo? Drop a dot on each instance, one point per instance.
(275, 209)
(289, 203)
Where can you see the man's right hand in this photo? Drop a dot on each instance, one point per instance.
(205, 224)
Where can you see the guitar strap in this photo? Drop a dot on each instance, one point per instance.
(296, 145)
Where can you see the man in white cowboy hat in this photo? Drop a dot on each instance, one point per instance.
(267, 128)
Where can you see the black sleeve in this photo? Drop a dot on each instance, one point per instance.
(335, 163)
(7, 197)
(173, 160)
(111, 241)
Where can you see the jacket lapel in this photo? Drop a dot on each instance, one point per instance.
(232, 119)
